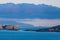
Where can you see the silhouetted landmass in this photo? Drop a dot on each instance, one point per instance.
(51, 29)
(24, 10)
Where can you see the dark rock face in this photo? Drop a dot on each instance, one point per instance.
(57, 28)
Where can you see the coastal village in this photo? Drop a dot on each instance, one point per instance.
(8, 27)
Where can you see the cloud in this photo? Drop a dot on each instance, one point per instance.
(41, 22)
(34, 22)
(49, 2)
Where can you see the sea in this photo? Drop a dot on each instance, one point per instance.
(28, 35)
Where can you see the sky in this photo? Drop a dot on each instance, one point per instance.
(48, 2)
(35, 22)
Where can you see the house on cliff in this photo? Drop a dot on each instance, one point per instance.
(8, 27)
(11, 27)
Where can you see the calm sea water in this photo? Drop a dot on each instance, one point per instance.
(23, 35)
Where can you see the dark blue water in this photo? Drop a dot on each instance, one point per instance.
(23, 35)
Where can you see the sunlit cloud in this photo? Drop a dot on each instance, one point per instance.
(48, 2)
(41, 22)
(34, 22)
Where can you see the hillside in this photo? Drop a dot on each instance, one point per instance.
(11, 10)
(50, 29)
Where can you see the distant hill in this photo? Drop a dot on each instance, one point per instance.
(23, 26)
(11, 10)
(50, 29)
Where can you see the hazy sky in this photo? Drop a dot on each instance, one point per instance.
(35, 22)
(49, 2)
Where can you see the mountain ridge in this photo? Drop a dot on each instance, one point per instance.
(29, 11)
